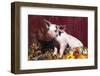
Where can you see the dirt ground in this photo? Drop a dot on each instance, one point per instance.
(35, 53)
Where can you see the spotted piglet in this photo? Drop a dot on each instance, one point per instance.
(63, 38)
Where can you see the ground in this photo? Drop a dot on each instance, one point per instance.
(35, 53)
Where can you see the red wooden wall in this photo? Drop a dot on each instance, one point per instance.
(76, 26)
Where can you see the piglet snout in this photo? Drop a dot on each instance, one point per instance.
(49, 37)
(50, 34)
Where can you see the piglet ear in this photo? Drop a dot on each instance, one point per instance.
(47, 23)
(62, 27)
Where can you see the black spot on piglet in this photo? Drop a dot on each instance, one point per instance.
(60, 33)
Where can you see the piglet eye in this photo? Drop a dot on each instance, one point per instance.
(47, 28)
(55, 30)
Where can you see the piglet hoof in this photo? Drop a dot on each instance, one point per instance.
(54, 56)
(60, 57)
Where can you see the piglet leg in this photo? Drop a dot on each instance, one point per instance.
(55, 51)
(62, 48)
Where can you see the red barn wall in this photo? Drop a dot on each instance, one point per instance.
(76, 26)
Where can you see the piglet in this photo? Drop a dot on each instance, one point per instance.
(63, 38)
